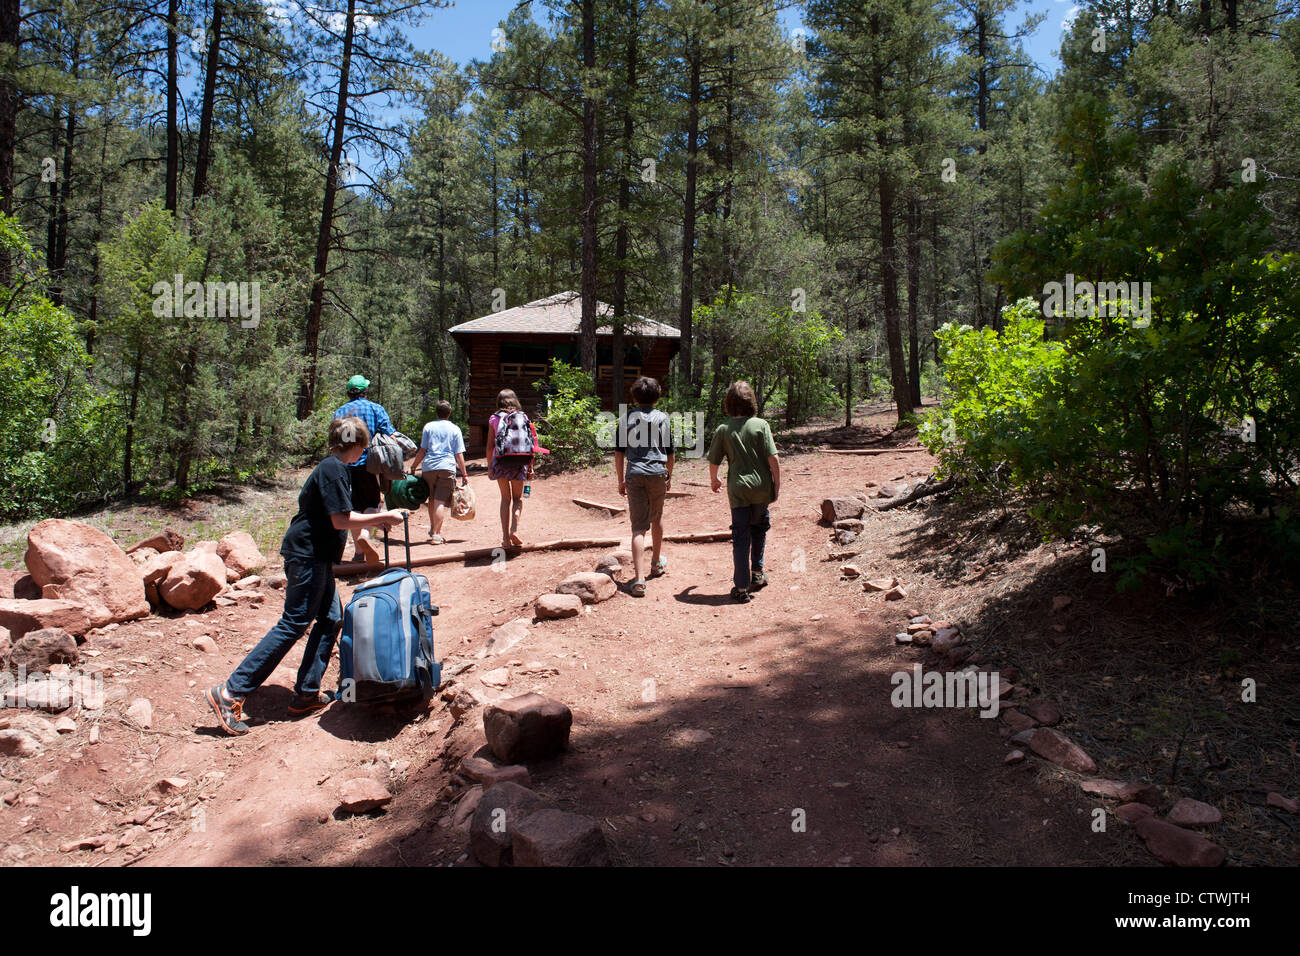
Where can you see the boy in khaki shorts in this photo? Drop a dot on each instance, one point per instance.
(645, 448)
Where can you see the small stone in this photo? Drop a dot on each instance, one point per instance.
(363, 794)
(496, 678)
(554, 606)
(1133, 812)
(854, 525)
(65, 725)
(171, 785)
(840, 508)
(1282, 803)
(1015, 756)
(18, 743)
(558, 838)
(1061, 750)
(1193, 813)
(902, 638)
(94, 734)
(1176, 846)
(850, 570)
(1016, 720)
(878, 584)
(591, 586)
(460, 820)
(205, 644)
(509, 634)
(896, 593)
(527, 727)
(488, 773)
(499, 810)
(1043, 711)
(141, 711)
(1060, 603)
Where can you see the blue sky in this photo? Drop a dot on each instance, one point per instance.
(464, 31)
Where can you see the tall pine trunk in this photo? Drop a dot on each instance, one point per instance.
(686, 356)
(173, 95)
(311, 338)
(9, 37)
(203, 159)
(913, 300)
(588, 326)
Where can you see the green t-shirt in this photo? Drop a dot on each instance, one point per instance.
(746, 443)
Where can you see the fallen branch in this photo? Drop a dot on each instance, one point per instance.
(921, 490)
(560, 544)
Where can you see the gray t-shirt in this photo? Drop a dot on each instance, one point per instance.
(645, 439)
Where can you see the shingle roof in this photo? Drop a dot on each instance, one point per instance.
(560, 314)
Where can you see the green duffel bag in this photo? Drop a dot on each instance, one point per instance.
(409, 493)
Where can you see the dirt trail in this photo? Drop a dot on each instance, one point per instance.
(703, 730)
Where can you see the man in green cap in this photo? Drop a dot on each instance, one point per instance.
(365, 484)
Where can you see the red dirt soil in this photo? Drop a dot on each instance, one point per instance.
(701, 727)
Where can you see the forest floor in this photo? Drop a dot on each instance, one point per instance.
(701, 727)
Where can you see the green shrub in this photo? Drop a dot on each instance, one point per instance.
(571, 430)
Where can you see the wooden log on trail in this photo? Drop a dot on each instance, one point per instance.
(560, 544)
(872, 451)
(612, 509)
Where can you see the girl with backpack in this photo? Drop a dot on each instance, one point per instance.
(511, 444)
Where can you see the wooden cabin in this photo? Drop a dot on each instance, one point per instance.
(513, 349)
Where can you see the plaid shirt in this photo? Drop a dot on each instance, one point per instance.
(372, 413)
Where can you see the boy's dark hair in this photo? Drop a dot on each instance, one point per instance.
(740, 401)
(348, 433)
(645, 390)
(443, 409)
(507, 400)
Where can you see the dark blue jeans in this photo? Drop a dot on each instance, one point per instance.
(309, 595)
(748, 538)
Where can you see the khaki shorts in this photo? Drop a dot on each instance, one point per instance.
(645, 500)
(441, 484)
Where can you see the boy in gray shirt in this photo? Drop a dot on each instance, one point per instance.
(643, 464)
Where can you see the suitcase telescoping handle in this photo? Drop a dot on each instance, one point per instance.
(406, 533)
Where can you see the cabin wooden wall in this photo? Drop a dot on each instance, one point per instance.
(485, 379)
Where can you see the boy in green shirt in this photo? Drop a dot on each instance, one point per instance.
(753, 482)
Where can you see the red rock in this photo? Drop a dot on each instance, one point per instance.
(363, 794)
(240, 553)
(590, 586)
(878, 584)
(141, 711)
(552, 606)
(850, 570)
(839, 508)
(558, 838)
(1283, 803)
(1043, 711)
(465, 809)
(896, 593)
(488, 773)
(502, 807)
(205, 644)
(1061, 602)
(19, 743)
(945, 640)
(1118, 790)
(1016, 720)
(1015, 756)
(35, 651)
(615, 564)
(20, 616)
(1193, 813)
(194, 582)
(527, 727)
(1176, 846)
(161, 542)
(1061, 750)
(1133, 812)
(72, 561)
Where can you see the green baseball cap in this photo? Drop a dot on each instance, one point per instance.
(358, 383)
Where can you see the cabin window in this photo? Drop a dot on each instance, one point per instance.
(523, 362)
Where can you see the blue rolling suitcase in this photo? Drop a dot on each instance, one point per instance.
(386, 649)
